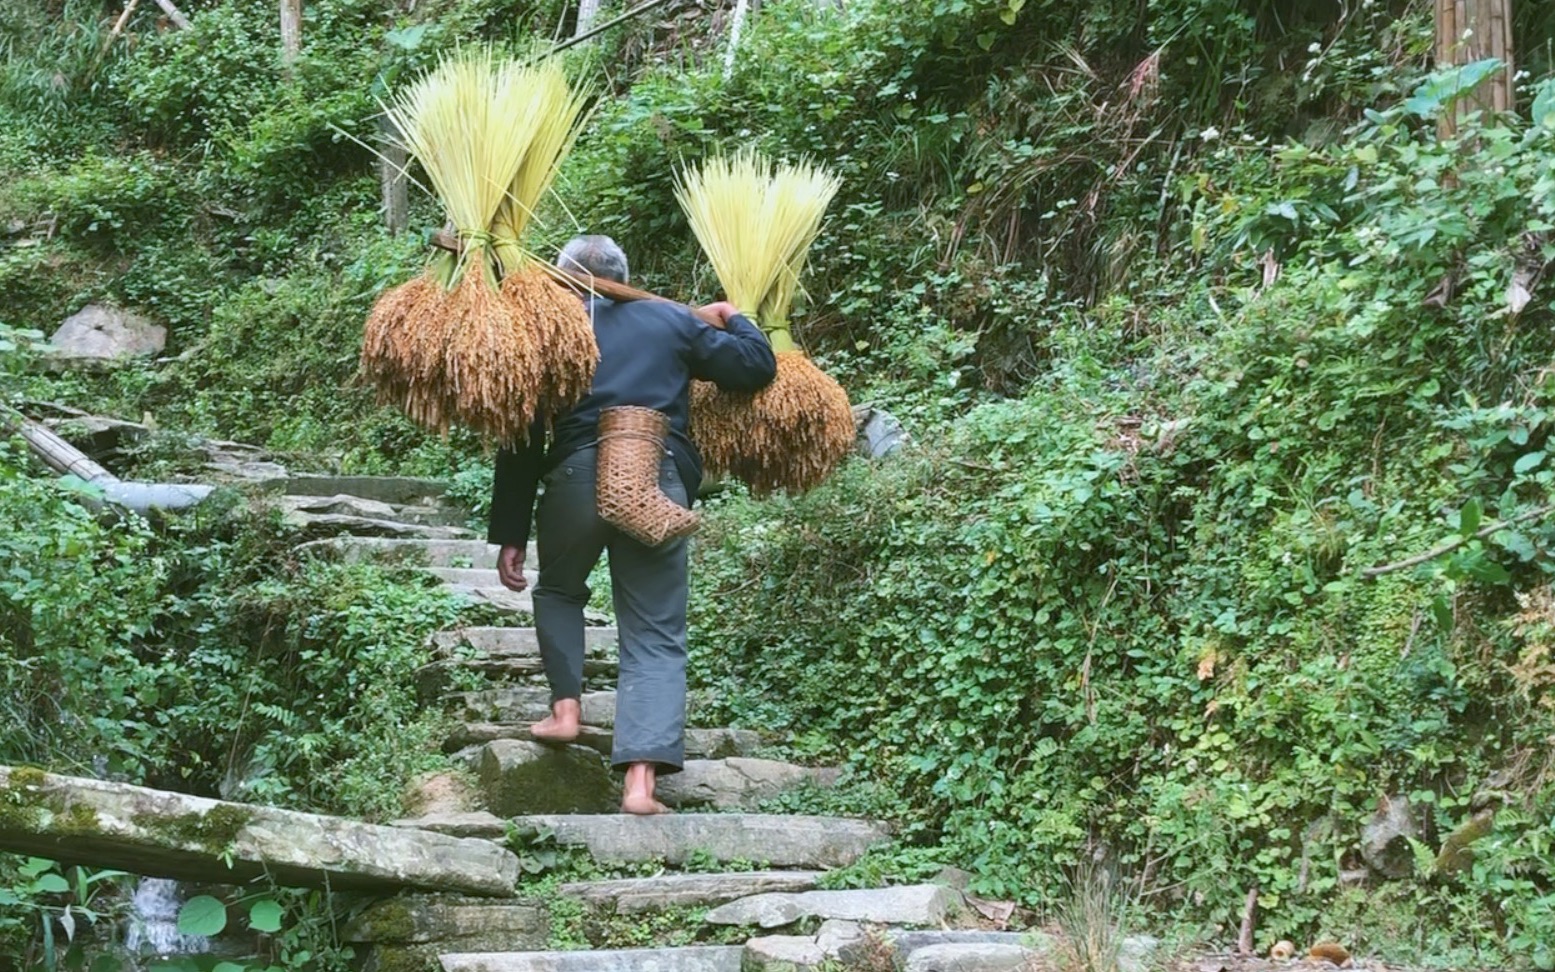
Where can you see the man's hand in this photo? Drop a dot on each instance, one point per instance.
(510, 568)
(723, 310)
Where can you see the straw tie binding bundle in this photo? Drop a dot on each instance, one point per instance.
(626, 484)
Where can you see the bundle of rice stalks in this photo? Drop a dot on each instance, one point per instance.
(450, 346)
(559, 318)
(755, 222)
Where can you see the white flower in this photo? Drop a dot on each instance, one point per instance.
(1210, 134)
(1314, 48)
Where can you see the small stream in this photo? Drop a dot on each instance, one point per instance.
(153, 923)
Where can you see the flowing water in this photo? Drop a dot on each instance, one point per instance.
(153, 925)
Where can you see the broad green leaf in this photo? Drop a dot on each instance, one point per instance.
(228, 967)
(1544, 105)
(265, 915)
(1445, 87)
(51, 884)
(1470, 516)
(1528, 463)
(203, 915)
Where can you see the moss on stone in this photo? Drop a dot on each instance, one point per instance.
(22, 804)
(403, 960)
(77, 820)
(388, 921)
(212, 831)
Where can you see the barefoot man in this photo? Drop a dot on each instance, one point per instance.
(648, 353)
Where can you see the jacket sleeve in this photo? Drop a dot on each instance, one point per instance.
(513, 488)
(737, 359)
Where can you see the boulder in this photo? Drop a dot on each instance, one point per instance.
(782, 953)
(1385, 839)
(106, 333)
(519, 777)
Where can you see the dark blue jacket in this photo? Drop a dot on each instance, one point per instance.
(648, 353)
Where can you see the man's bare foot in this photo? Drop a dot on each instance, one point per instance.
(562, 724)
(642, 806)
(638, 799)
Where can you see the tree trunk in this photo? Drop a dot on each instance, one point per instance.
(1473, 30)
(291, 30)
(587, 11)
(391, 177)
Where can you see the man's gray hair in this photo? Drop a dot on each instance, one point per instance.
(597, 255)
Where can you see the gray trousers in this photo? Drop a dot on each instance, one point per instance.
(650, 592)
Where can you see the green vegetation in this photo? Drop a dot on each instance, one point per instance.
(1193, 318)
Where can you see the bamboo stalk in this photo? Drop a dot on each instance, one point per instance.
(291, 30)
(174, 14)
(55, 452)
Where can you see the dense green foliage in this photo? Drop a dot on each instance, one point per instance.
(1192, 318)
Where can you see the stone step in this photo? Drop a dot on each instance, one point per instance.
(346, 505)
(165, 834)
(847, 944)
(519, 777)
(497, 643)
(314, 526)
(453, 922)
(417, 553)
(739, 783)
(694, 958)
(777, 840)
(400, 490)
(700, 743)
(638, 895)
(508, 655)
(525, 704)
(919, 904)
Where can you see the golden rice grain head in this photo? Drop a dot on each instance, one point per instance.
(789, 436)
(560, 323)
(492, 366)
(393, 349)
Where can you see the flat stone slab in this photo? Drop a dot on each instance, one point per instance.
(519, 642)
(164, 834)
(696, 958)
(399, 490)
(700, 743)
(919, 904)
(530, 703)
(453, 921)
(344, 504)
(1135, 953)
(970, 957)
(413, 552)
(473, 823)
(316, 525)
(738, 782)
(778, 840)
(638, 895)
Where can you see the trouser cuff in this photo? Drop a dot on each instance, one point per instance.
(669, 760)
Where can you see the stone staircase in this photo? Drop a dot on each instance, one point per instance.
(731, 877)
